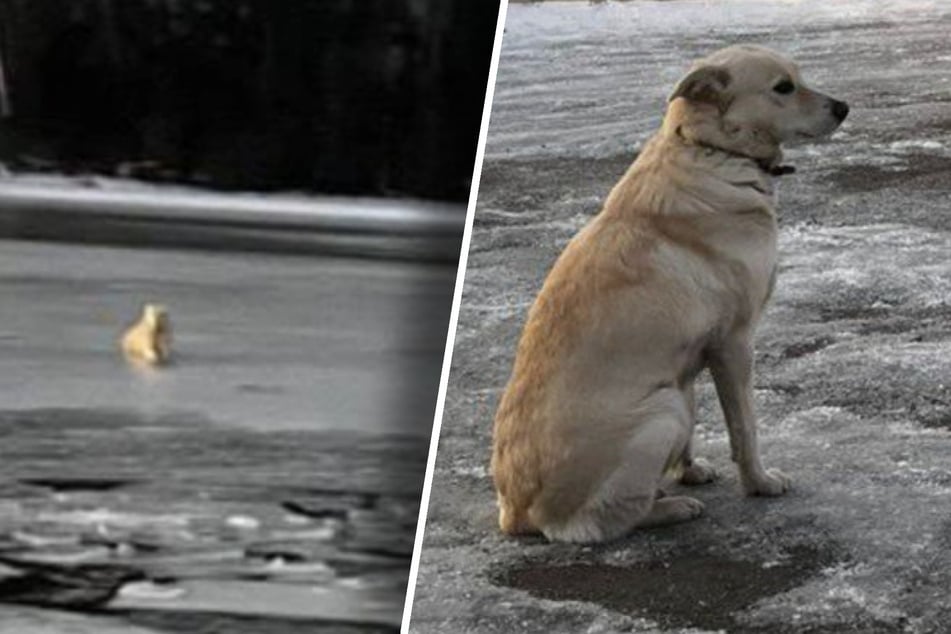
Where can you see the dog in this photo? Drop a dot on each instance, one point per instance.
(149, 340)
(670, 278)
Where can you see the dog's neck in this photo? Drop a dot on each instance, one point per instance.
(764, 165)
(702, 125)
(672, 175)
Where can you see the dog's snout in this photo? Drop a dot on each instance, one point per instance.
(840, 109)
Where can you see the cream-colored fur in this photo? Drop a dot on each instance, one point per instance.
(149, 340)
(669, 279)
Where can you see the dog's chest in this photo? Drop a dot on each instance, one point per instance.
(758, 255)
(747, 269)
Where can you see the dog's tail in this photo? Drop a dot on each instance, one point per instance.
(515, 521)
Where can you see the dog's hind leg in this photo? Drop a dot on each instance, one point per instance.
(628, 497)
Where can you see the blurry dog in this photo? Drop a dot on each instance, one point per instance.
(670, 278)
(149, 340)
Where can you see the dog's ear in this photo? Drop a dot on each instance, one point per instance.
(704, 84)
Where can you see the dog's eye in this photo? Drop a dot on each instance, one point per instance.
(784, 87)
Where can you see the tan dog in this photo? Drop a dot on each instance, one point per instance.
(670, 278)
(149, 340)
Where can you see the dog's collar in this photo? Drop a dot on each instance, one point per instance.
(764, 165)
(776, 170)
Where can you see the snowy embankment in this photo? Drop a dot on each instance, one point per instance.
(121, 211)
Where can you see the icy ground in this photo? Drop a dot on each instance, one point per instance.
(854, 355)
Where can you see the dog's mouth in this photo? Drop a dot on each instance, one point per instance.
(803, 135)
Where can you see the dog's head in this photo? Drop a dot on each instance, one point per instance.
(156, 317)
(750, 100)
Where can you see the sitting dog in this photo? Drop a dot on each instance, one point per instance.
(149, 340)
(670, 278)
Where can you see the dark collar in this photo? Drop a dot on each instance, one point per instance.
(777, 170)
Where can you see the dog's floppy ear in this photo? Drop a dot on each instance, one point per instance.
(704, 84)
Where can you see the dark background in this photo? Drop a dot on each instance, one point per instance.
(379, 97)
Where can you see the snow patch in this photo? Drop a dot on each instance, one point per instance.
(891, 264)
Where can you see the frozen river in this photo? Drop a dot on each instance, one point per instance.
(268, 480)
(261, 341)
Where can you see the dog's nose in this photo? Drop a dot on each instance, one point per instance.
(840, 109)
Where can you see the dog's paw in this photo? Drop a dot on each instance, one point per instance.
(672, 510)
(699, 472)
(771, 483)
(685, 508)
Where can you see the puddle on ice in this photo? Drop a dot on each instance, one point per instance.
(682, 591)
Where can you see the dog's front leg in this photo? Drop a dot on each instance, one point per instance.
(731, 365)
